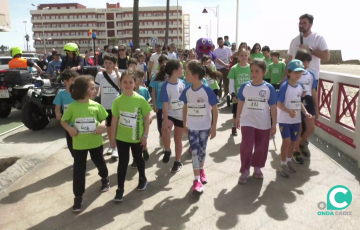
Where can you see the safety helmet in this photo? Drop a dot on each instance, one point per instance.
(72, 47)
(15, 51)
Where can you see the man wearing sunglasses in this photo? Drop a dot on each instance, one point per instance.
(122, 59)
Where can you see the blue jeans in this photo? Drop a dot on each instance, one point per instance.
(198, 141)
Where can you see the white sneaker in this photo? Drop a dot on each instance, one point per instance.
(109, 152)
(115, 154)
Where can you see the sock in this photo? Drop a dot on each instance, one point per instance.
(288, 159)
(283, 162)
(197, 178)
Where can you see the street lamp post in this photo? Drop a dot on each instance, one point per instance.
(44, 40)
(42, 25)
(216, 12)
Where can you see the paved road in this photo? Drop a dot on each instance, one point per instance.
(42, 199)
(11, 122)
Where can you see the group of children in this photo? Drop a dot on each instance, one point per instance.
(184, 99)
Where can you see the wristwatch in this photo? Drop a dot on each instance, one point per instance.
(146, 136)
(311, 50)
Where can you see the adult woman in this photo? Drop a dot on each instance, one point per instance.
(256, 52)
(234, 57)
(72, 59)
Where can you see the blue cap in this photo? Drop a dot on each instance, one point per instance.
(296, 66)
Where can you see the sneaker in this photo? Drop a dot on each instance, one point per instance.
(78, 201)
(257, 173)
(109, 152)
(297, 158)
(105, 184)
(197, 187)
(133, 165)
(291, 167)
(234, 131)
(176, 167)
(115, 154)
(119, 195)
(304, 150)
(166, 157)
(142, 184)
(203, 178)
(145, 155)
(243, 177)
(284, 170)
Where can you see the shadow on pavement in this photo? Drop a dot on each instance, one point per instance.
(229, 149)
(52, 132)
(241, 200)
(337, 155)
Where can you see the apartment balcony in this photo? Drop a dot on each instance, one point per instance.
(148, 18)
(55, 29)
(148, 27)
(69, 20)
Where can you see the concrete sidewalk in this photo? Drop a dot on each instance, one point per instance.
(43, 198)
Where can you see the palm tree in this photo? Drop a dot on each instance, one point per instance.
(135, 38)
(113, 41)
(167, 22)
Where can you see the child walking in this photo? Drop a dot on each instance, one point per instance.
(212, 81)
(199, 104)
(106, 80)
(310, 102)
(172, 110)
(62, 101)
(88, 118)
(289, 117)
(238, 75)
(156, 83)
(255, 98)
(131, 114)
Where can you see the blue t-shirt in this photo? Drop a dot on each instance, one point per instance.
(190, 84)
(63, 99)
(52, 66)
(144, 92)
(156, 85)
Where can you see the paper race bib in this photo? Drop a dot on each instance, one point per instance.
(85, 125)
(128, 119)
(307, 87)
(65, 107)
(210, 81)
(295, 104)
(196, 109)
(176, 105)
(108, 89)
(255, 103)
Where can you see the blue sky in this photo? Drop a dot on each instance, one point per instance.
(272, 23)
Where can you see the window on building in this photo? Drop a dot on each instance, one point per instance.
(83, 16)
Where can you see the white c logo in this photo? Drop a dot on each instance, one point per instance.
(332, 198)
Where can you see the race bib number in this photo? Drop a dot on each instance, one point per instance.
(210, 81)
(295, 105)
(108, 89)
(177, 105)
(307, 87)
(128, 119)
(196, 110)
(255, 103)
(65, 107)
(85, 125)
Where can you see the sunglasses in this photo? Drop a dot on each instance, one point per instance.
(121, 49)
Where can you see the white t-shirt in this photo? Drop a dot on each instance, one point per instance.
(155, 59)
(172, 55)
(257, 101)
(140, 67)
(223, 54)
(108, 93)
(290, 96)
(315, 41)
(199, 103)
(170, 93)
(308, 81)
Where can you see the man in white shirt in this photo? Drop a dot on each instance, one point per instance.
(313, 42)
(171, 52)
(153, 66)
(224, 54)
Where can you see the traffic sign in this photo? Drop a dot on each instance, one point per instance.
(154, 40)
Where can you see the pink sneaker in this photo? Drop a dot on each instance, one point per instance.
(203, 178)
(197, 187)
(257, 173)
(243, 177)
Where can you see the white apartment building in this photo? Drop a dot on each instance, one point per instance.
(5, 25)
(71, 22)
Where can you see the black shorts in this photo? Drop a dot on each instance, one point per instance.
(109, 118)
(276, 86)
(176, 122)
(309, 106)
(234, 109)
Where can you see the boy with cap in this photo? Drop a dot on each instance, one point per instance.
(289, 114)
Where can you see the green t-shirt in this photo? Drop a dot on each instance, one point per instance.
(277, 72)
(256, 55)
(85, 117)
(131, 111)
(212, 83)
(268, 62)
(240, 76)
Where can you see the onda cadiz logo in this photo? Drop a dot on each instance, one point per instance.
(338, 198)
